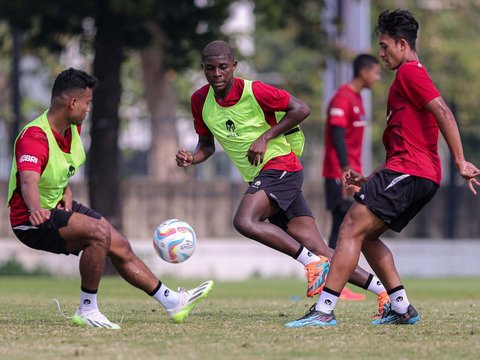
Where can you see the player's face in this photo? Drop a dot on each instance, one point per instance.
(80, 105)
(391, 51)
(219, 73)
(371, 75)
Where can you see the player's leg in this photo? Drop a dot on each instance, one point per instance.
(358, 223)
(394, 199)
(380, 259)
(249, 220)
(305, 231)
(93, 237)
(268, 196)
(82, 229)
(136, 272)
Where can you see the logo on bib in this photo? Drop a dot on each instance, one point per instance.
(230, 125)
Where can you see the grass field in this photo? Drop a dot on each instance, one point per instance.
(241, 320)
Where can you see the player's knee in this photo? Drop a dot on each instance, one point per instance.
(102, 234)
(242, 224)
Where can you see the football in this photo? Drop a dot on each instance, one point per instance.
(174, 241)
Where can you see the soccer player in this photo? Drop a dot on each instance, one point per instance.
(240, 114)
(399, 188)
(343, 144)
(44, 216)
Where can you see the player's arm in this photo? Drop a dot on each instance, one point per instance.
(29, 188)
(338, 139)
(295, 113)
(204, 149)
(449, 129)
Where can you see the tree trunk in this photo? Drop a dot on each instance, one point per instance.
(104, 181)
(162, 103)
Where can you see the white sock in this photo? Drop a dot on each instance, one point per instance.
(327, 302)
(88, 302)
(376, 286)
(167, 297)
(399, 300)
(305, 256)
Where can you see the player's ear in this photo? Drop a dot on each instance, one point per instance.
(72, 102)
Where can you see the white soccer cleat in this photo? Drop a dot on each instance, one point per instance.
(188, 300)
(94, 319)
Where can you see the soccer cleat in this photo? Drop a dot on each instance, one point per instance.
(94, 319)
(317, 275)
(392, 317)
(384, 304)
(348, 294)
(313, 318)
(188, 300)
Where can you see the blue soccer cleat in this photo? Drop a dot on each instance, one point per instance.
(390, 316)
(313, 318)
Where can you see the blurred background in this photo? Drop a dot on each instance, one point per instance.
(146, 54)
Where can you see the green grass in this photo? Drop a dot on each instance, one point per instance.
(241, 320)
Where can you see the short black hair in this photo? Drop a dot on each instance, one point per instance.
(398, 24)
(71, 79)
(363, 61)
(218, 48)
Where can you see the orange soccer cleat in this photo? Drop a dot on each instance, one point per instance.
(317, 275)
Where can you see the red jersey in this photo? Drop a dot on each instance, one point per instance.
(270, 100)
(31, 153)
(344, 110)
(411, 135)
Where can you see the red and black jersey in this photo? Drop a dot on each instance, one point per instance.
(344, 110)
(411, 135)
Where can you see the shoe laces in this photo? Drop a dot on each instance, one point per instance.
(383, 299)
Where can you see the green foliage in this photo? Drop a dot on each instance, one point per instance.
(304, 15)
(12, 267)
(187, 28)
(449, 46)
(292, 48)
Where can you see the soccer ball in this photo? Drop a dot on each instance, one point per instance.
(174, 241)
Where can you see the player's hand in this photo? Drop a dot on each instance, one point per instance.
(67, 200)
(257, 150)
(469, 172)
(39, 216)
(184, 158)
(353, 178)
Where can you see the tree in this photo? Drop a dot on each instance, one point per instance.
(120, 25)
(290, 53)
(180, 31)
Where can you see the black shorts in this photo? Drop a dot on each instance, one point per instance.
(334, 196)
(46, 236)
(285, 189)
(395, 197)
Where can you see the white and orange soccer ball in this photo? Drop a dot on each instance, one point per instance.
(174, 241)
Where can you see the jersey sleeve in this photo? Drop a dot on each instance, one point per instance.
(417, 85)
(31, 150)
(270, 98)
(338, 112)
(196, 102)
